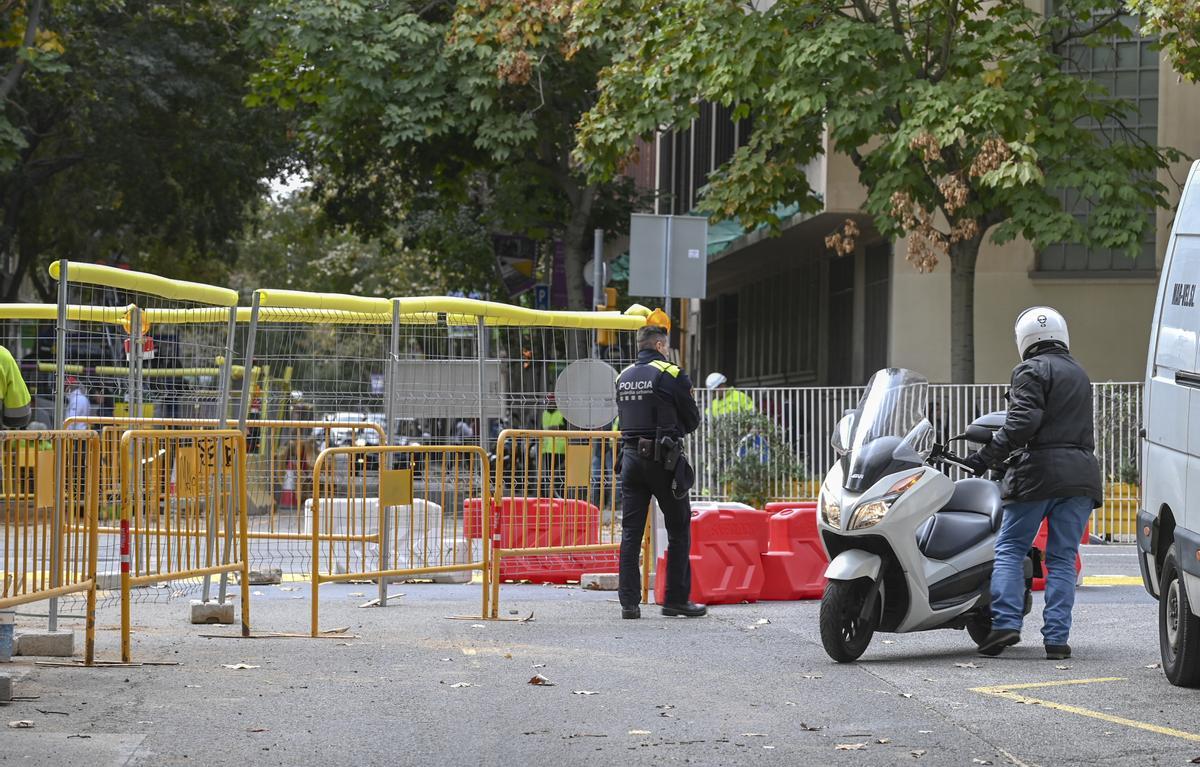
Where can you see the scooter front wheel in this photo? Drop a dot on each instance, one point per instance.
(845, 633)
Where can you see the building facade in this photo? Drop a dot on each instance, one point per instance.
(784, 310)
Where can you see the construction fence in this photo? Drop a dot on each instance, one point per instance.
(778, 446)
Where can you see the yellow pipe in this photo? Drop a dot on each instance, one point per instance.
(141, 282)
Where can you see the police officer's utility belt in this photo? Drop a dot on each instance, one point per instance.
(662, 450)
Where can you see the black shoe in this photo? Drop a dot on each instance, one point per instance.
(631, 613)
(686, 610)
(997, 641)
(1058, 651)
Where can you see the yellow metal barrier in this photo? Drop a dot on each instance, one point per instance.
(48, 482)
(402, 516)
(556, 508)
(193, 527)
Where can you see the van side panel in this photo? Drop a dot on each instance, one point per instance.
(1172, 395)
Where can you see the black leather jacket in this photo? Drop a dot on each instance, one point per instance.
(1048, 432)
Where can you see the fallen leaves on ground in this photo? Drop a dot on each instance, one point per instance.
(540, 681)
(584, 692)
(917, 753)
(813, 676)
(257, 729)
(753, 735)
(967, 665)
(1063, 668)
(1158, 665)
(850, 747)
(980, 761)
(21, 724)
(811, 727)
(639, 732)
(456, 685)
(883, 741)
(762, 622)
(239, 666)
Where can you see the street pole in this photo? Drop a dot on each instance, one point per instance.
(597, 278)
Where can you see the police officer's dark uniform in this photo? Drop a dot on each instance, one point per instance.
(656, 410)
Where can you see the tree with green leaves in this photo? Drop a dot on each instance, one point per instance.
(425, 112)
(290, 245)
(961, 117)
(1176, 23)
(124, 138)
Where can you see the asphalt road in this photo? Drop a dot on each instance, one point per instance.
(748, 685)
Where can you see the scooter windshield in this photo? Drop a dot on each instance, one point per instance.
(890, 417)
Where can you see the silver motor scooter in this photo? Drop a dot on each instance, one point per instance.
(910, 549)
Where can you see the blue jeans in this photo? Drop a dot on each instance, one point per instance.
(1068, 517)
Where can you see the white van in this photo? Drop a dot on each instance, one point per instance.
(1168, 531)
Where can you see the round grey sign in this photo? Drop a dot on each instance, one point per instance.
(586, 393)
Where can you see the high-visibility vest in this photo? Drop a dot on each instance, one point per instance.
(553, 419)
(734, 401)
(17, 402)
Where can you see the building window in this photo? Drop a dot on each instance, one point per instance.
(1128, 70)
(777, 328)
(689, 156)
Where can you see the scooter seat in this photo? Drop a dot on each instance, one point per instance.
(978, 496)
(949, 533)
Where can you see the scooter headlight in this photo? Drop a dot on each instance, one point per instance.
(831, 512)
(870, 514)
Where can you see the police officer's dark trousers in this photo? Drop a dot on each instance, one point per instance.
(641, 479)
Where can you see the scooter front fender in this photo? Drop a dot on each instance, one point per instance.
(853, 564)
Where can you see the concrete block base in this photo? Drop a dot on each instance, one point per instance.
(268, 576)
(5, 688)
(112, 582)
(211, 612)
(462, 576)
(47, 644)
(599, 581)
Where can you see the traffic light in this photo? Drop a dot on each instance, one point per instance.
(607, 337)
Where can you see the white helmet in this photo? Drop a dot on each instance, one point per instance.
(714, 380)
(1039, 324)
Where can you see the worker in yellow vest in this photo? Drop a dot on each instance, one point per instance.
(553, 450)
(18, 405)
(730, 400)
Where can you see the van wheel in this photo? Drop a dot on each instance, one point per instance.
(845, 634)
(1178, 628)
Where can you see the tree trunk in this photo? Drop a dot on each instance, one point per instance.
(963, 257)
(574, 247)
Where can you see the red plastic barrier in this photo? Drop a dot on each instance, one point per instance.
(726, 556)
(521, 523)
(794, 562)
(1039, 543)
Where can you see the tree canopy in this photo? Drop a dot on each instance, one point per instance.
(963, 118)
(429, 111)
(1177, 25)
(130, 143)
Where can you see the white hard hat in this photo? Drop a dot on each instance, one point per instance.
(1039, 324)
(714, 380)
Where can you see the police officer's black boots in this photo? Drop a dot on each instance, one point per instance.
(631, 613)
(685, 610)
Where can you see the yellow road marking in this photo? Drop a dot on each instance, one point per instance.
(1112, 580)
(1006, 691)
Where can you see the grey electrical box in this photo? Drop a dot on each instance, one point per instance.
(668, 256)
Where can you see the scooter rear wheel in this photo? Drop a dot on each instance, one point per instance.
(845, 634)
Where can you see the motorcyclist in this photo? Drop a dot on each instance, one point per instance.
(1047, 450)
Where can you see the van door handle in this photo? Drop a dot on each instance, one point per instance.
(1190, 380)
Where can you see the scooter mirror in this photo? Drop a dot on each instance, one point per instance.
(980, 435)
(840, 440)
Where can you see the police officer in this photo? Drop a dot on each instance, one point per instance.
(1047, 450)
(656, 410)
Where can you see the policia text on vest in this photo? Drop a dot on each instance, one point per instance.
(655, 410)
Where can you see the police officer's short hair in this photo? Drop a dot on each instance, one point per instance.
(649, 335)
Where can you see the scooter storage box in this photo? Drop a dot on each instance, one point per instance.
(794, 562)
(1039, 543)
(726, 555)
